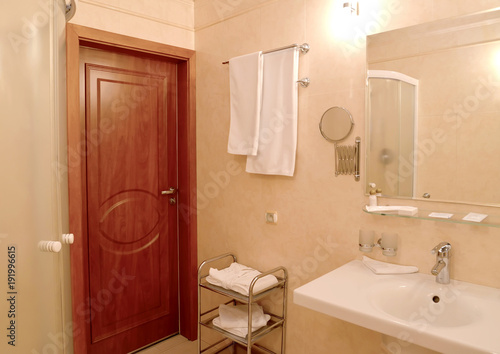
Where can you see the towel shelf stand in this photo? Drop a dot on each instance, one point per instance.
(205, 317)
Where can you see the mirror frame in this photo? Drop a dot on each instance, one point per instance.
(349, 115)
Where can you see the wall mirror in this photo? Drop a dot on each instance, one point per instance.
(336, 124)
(433, 110)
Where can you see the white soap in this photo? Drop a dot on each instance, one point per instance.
(408, 211)
(440, 215)
(475, 217)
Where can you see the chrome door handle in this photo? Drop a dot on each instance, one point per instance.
(170, 191)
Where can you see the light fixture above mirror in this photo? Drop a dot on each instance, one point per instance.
(351, 8)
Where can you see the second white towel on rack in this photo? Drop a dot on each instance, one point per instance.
(278, 119)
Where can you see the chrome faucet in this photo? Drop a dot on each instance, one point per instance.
(440, 269)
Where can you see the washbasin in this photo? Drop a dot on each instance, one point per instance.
(456, 318)
(425, 302)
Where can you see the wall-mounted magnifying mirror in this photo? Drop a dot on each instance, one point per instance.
(336, 124)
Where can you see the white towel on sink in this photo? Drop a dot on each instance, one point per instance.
(245, 84)
(237, 277)
(379, 267)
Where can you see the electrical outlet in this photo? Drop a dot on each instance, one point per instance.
(271, 217)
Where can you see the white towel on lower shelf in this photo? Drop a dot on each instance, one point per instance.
(378, 267)
(237, 316)
(238, 331)
(237, 277)
(278, 118)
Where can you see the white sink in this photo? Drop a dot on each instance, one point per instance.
(455, 318)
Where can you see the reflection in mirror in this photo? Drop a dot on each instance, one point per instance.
(391, 99)
(456, 155)
(336, 124)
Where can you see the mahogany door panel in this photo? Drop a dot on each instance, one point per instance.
(130, 125)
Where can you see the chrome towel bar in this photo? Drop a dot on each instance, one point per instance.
(304, 48)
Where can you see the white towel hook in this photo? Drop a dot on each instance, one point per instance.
(49, 246)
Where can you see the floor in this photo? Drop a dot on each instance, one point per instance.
(174, 345)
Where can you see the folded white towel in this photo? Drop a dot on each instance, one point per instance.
(378, 267)
(245, 84)
(237, 316)
(278, 120)
(240, 331)
(237, 277)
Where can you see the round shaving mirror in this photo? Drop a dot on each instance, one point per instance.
(336, 124)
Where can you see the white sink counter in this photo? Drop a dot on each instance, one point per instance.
(455, 318)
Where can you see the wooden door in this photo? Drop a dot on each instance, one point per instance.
(130, 127)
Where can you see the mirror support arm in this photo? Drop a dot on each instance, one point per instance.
(347, 159)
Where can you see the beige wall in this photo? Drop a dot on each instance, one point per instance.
(319, 215)
(167, 21)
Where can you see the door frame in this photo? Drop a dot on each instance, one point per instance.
(76, 36)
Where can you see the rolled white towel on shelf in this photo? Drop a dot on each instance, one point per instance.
(237, 277)
(237, 316)
(379, 267)
(238, 331)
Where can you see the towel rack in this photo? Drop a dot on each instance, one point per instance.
(276, 324)
(304, 48)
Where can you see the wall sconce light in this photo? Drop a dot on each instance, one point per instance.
(351, 8)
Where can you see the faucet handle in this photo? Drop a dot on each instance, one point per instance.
(442, 250)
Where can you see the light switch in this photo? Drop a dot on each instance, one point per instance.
(272, 217)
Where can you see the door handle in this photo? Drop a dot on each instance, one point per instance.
(172, 190)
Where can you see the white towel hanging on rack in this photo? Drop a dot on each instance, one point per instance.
(245, 82)
(278, 122)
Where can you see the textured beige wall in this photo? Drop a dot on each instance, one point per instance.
(319, 215)
(167, 21)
